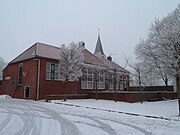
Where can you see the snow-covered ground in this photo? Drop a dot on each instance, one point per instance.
(166, 109)
(87, 117)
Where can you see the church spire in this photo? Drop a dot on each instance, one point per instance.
(99, 50)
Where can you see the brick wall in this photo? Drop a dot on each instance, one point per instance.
(10, 79)
(30, 77)
(134, 96)
(152, 88)
(53, 87)
(0, 87)
(1, 90)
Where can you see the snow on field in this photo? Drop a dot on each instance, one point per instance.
(40, 118)
(4, 96)
(168, 108)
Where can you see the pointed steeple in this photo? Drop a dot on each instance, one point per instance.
(99, 50)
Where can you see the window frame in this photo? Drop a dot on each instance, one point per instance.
(87, 81)
(101, 80)
(25, 90)
(52, 71)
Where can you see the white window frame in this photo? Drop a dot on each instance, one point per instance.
(124, 82)
(55, 71)
(101, 83)
(121, 82)
(87, 84)
(110, 80)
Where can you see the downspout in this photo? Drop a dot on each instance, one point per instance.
(38, 79)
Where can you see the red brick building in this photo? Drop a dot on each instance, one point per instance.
(34, 73)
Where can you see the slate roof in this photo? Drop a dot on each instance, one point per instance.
(99, 49)
(89, 58)
(110, 65)
(38, 49)
(42, 50)
(48, 51)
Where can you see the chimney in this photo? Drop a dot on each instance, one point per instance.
(109, 58)
(82, 44)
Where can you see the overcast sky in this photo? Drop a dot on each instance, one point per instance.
(122, 23)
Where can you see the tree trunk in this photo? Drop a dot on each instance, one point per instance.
(178, 90)
(166, 82)
(66, 89)
(115, 92)
(96, 90)
(114, 85)
(115, 96)
(140, 88)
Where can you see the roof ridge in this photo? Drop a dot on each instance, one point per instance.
(40, 43)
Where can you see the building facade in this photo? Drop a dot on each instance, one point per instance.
(34, 74)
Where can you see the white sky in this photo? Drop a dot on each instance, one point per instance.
(122, 23)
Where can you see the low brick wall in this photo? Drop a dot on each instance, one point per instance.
(152, 88)
(1, 87)
(134, 96)
(1, 90)
(69, 96)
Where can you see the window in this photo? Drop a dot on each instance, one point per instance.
(110, 81)
(101, 80)
(48, 71)
(87, 78)
(121, 83)
(52, 71)
(27, 92)
(125, 82)
(20, 72)
(113, 80)
(117, 82)
(56, 73)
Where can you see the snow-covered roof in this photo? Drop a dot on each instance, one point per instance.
(42, 50)
(52, 52)
(110, 65)
(89, 58)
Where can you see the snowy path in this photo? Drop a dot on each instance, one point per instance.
(28, 117)
(23, 117)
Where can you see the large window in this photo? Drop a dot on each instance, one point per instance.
(101, 80)
(52, 71)
(125, 82)
(121, 83)
(87, 78)
(20, 73)
(110, 81)
(90, 77)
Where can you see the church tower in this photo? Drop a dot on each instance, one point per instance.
(99, 50)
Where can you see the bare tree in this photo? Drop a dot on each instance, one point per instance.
(115, 83)
(164, 40)
(95, 80)
(2, 65)
(71, 59)
(137, 75)
(150, 65)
